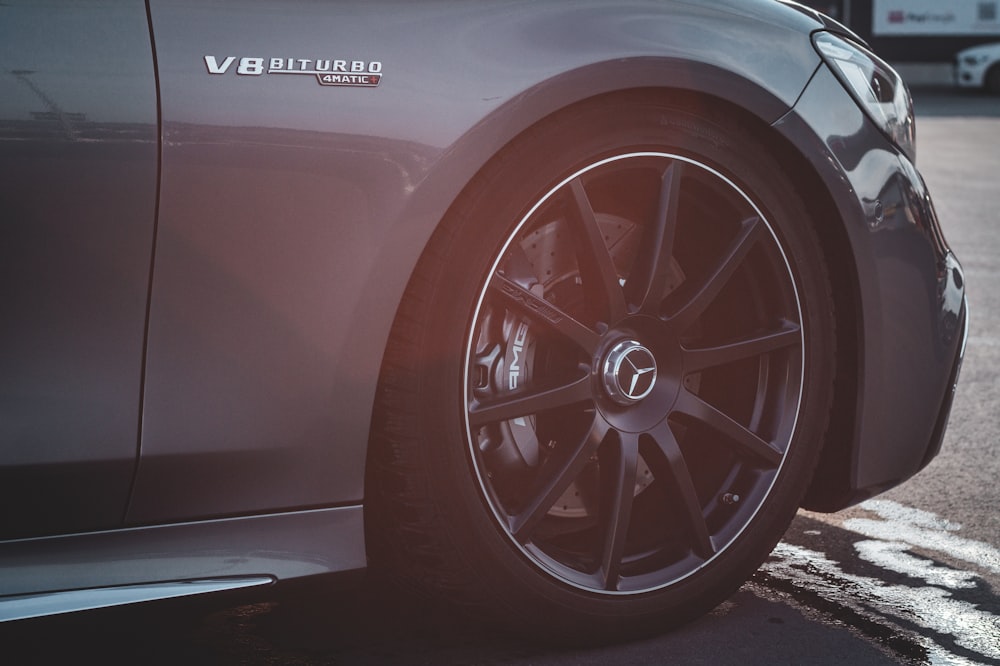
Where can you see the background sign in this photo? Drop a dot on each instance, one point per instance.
(935, 17)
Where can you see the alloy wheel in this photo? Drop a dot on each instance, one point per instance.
(633, 373)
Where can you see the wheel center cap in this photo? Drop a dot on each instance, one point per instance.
(629, 372)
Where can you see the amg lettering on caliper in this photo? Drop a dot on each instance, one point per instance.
(514, 371)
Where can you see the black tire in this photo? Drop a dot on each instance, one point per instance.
(525, 458)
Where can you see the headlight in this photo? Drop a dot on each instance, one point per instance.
(876, 87)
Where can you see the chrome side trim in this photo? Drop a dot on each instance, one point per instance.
(133, 563)
(52, 603)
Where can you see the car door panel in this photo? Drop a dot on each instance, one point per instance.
(78, 170)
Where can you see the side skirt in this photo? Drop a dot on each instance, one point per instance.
(62, 574)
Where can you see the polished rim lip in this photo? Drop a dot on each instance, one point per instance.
(533, 558)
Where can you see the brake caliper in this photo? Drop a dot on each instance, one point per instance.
(515, 376)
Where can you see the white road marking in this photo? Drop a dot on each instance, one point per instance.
(897, 542)
(893, 555)
(923, 529)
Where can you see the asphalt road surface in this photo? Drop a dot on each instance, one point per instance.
(912, 577)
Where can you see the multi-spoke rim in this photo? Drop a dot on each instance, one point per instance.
(641, 267)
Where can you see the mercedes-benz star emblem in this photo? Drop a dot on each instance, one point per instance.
(638, 371)
(629, 372)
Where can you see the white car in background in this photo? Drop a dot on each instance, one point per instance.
(979, 67)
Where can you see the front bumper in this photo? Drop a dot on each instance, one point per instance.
(901, 328)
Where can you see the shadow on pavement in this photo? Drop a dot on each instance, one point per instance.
(369, 626)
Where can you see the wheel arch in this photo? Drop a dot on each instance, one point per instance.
(721, 91)
(691, 83)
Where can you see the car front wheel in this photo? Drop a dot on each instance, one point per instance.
(608, 384)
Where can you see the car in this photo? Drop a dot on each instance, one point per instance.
(560, 310)
(979, 67)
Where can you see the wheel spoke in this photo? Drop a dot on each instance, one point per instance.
(758, 345)
(533, 402)
(539, 310)
(618, 480)
(555, 476)
(597, 268)
(677, 472)
(745, 441)
(750, 231)
(648, 278)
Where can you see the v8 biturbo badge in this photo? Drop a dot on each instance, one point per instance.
(328, 72)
